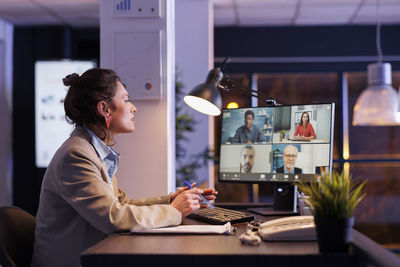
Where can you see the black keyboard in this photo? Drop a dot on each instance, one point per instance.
(220, 216)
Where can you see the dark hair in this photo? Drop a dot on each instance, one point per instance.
(301, 119)
(249, 112)
(85, 92)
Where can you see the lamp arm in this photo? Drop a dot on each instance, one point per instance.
(259, 97)
(224, 63)
(227, 84)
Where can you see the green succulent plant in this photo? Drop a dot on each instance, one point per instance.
(333, 196)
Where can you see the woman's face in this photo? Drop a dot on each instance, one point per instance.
(123, 112)
(305, 118)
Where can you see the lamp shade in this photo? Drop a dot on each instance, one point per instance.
(378, 104)
(205, 97)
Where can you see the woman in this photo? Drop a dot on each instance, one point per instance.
(80, 202)
(304, 130)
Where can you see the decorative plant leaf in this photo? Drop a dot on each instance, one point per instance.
(333, 196)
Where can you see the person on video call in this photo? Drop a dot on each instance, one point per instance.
(304, 130)
(247, 159)
(248, 133)
(289, 160)
(80, 201)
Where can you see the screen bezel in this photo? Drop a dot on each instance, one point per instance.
(282, 178)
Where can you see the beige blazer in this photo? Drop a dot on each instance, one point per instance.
(78, 206)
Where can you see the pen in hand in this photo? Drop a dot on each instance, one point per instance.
(203, 199)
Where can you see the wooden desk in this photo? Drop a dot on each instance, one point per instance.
(222, 250)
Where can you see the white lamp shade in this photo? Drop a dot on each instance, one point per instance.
(202, 105)
(378, 104)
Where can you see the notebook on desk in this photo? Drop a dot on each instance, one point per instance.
(189, 229)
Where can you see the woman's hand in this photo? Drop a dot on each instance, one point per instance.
(209, 193)
(187, 201)
(177, 192)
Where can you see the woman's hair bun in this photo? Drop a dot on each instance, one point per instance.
(71, 79)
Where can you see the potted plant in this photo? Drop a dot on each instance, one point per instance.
(282, 134)
(333, 198)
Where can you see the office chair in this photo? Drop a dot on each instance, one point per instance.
(17, 234)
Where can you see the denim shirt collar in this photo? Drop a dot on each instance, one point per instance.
(106, 153)
(102, 149)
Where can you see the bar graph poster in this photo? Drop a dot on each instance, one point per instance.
(136, 8)
(51, 128)
(138, 63)
(123, 5)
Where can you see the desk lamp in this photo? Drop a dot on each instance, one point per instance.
(378, 104)
(206, 98)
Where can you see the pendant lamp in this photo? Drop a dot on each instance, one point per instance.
(378, 104)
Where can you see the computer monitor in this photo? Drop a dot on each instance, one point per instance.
(272, 145)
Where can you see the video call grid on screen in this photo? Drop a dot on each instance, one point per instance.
(270, 151)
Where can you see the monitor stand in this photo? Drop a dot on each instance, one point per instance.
(285, 201)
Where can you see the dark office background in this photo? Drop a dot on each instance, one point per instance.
(32, 44)
(44, 43)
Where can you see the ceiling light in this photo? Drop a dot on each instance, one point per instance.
(378, 104)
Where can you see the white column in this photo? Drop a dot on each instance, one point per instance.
(194, 58)
(147, 166)
(6, 57)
